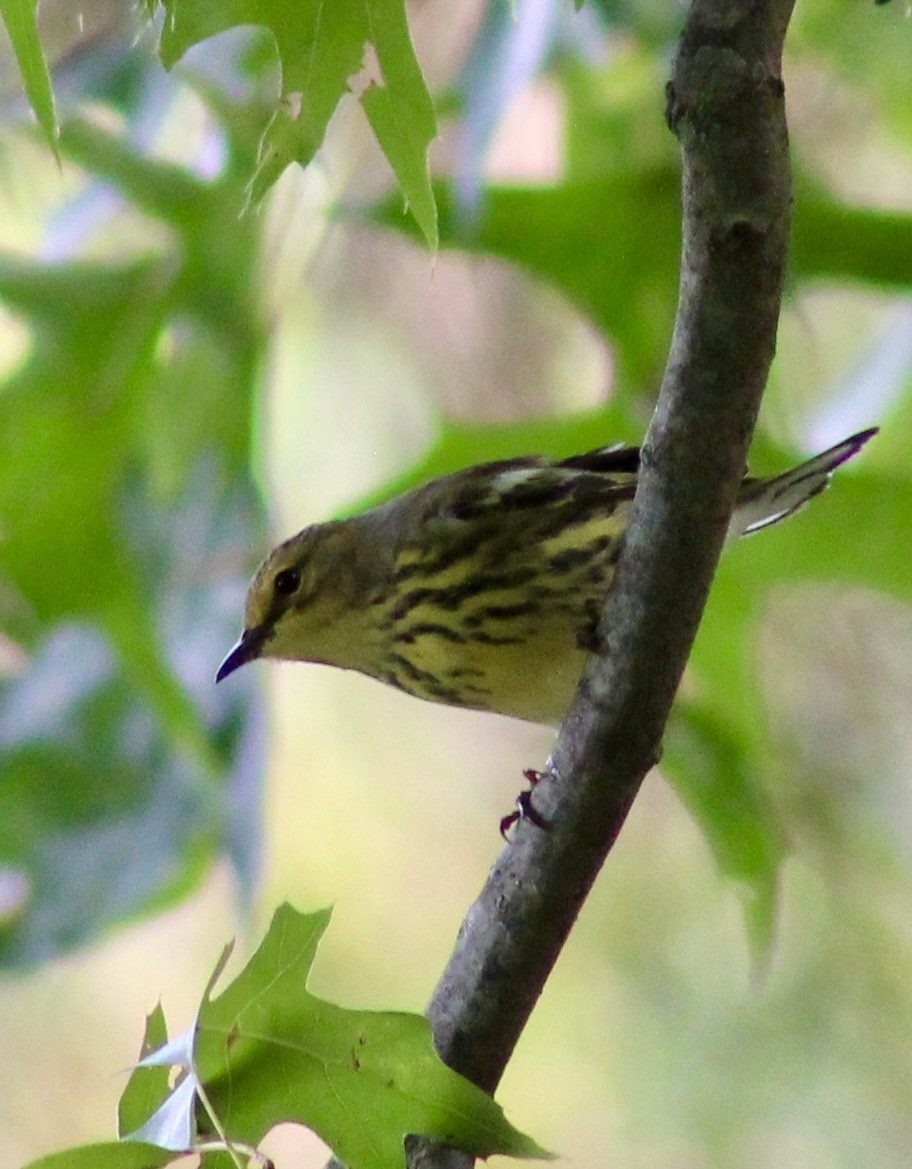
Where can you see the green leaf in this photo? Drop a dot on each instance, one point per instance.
(164, 1117)
(833, 240)
(172, 1125)
(93, 333)
(401, 112)
(21, 20)
(321, 47)
(147, 1085)
(362, 1079)
(709, 768)
(266, 1052)
(107, 1155)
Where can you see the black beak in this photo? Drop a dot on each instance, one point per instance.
(246, 650)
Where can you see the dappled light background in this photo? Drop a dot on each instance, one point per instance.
(664, 1038)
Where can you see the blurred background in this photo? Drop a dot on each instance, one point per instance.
(185, 381)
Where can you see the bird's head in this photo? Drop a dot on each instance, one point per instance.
(299, 600)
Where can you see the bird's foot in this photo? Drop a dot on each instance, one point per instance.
(524, 809)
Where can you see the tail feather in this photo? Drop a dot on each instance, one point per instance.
(767, 501)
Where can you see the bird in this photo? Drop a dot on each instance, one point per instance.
(482, 588)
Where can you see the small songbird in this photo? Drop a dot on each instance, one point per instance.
(482, 588)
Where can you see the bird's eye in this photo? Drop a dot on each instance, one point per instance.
(287, 581)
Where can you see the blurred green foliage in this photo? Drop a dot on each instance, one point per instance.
(129, 517)
(138, 388)
(125, 434)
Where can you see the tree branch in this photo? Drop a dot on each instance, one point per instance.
(726, 105)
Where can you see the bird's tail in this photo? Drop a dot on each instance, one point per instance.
(767, 501)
